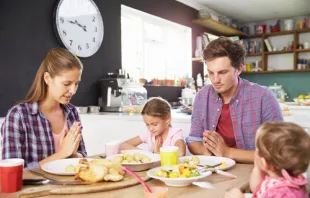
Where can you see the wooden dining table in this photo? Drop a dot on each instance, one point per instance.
(220, 183)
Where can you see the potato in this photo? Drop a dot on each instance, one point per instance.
(195, 160)
(138, 156)
(70, 169)
(77, 168)
(118, 159)
(129, 157)
(146, 159)
(113, 177)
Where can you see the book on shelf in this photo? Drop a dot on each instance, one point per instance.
(268, 44)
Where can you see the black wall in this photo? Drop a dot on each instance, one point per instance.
(26, 35)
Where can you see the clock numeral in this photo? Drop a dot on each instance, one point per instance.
(94, 19)
(94, 39)
(87, 46)
(96, 29)
(79, 47)
(64, 32)
(71, 41)
(62, 20)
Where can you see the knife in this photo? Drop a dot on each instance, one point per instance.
(51, 182)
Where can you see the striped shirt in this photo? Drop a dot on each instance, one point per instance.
(27, 133)
(251, 106)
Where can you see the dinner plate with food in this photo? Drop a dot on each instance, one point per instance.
(86, 169)
(68, 166)
(208, 162)
(136, 160)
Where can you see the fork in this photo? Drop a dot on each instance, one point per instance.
(42, 175)
(208, 166)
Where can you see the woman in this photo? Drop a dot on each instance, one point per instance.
(45, 126)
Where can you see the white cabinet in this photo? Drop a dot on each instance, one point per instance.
(98, 129)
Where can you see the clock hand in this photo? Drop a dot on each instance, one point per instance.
(72, 22)
(83, 27)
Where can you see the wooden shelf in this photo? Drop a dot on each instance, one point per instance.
(218, 28)
(303, 30)
(256, 54)
(277, 71)
(197, 59)
(280, 52)
(302, 50)
(285, 32)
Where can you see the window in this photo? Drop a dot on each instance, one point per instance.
(153, 47)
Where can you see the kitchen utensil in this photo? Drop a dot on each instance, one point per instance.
(218, 172)
(139, 179)
(226, 174)
(210, 166)
(53, 182)
(207, 185)
(42, 175)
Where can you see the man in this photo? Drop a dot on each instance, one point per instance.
(227, 113)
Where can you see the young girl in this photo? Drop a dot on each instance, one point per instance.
(157, 117)
(281, 156)
(45, 126)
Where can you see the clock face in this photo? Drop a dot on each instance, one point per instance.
(79, 26)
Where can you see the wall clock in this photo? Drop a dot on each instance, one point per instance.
(79, 26)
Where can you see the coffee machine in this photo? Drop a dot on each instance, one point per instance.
(110, 92)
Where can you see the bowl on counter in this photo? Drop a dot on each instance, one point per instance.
(303, 102)
(82, 109)
(94, 109)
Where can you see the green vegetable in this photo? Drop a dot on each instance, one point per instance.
(194, 174)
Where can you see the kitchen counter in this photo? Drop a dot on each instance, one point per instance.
(99, 128)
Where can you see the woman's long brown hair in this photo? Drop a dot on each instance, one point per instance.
(56, 61)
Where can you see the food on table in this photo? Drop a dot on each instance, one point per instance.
(179, 171)
(193, 161)
(70, 169)
(100, 170)
(136, 158)
(223, 165)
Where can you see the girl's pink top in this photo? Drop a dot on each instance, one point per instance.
(172, 137)
(292, 187)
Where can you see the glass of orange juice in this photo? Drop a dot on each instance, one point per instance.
(169, 155)
(157, 192)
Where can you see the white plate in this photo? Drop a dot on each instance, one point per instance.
(176, 182)
(58, 167)
(138, 166)
(211, 160)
